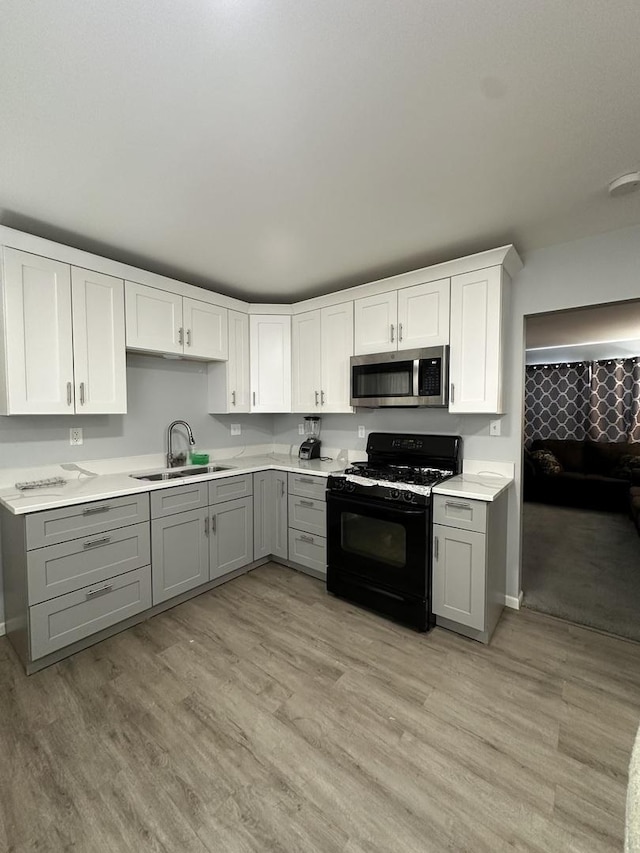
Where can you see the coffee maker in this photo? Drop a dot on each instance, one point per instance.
(310, 447)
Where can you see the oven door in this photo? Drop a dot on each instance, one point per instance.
(379, 543)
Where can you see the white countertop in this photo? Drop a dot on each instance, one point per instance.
(80, 488)
(479, 487)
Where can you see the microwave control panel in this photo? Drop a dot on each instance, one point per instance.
(430, 378)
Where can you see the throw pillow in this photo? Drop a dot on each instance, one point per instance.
(627, 467)
(546, 462)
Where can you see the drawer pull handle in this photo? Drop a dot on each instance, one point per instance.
(307, 480)
(94, 510)
(455, 505)
(309, 539)
(306, 503)
(95, 543)
(96, 593)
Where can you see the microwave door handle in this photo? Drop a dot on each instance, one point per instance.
(416, 377)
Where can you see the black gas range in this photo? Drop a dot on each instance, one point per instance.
(379, 524)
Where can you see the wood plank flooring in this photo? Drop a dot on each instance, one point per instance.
(267, 715)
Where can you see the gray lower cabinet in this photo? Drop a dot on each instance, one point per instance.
(469, 564)
(270, 515)
(308, 551)
(231, 536)
(308, 523)
(180, 550)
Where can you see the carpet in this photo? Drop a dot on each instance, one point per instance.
(582, 565)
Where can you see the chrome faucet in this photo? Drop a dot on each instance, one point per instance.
(173, 460)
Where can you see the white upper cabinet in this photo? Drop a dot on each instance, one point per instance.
(64, 338)
(423, 315)
(98, 342)
(163, 322)
(270, 358)
(477, 320)
(229, 380)
(322, 348)
(409, 318)
(154, 319)
(205, 330)
(376, 320)
(306, 363)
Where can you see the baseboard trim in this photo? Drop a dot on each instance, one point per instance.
(515, 603)
(3, 629)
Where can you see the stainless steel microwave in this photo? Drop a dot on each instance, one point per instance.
(413, 377)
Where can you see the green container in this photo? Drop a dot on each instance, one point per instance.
(199, 458)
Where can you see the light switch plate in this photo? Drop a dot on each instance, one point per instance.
(75, 436)
(236, 429)
(494, 427)
(300, 429)
(361, 432)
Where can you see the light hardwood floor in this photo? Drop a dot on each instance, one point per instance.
(268, 716)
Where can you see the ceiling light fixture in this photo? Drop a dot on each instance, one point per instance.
(624, 185)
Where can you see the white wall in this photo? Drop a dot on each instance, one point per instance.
(159, 391)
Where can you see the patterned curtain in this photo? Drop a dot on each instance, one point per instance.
(556, 403)
(614, 413)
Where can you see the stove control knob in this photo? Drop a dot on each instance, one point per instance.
(409, 497)
(394, 494)
(338, 485)
(350, 487)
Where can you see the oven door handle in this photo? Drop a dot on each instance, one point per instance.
(386, 506)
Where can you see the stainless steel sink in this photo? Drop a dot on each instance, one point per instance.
(181, 473)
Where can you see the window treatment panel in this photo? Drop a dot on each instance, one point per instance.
(556, 402)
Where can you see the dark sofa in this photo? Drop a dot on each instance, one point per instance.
(593, 475)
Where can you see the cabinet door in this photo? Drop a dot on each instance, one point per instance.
(459, 576)
(337, 349)
(423, 315)
(376, 320)
(263, 514)
(306, 368)
(98, 342)
(205, 330)
(179, 553)
(270, 355)
(154, 319)
(280, 541)
(475, 366)
(229, 380)
(38, 337)
(231, 538)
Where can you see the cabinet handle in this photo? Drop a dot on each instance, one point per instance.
(188, 337)
(213, 524)
(316, 393)
(94, 510)
(95, 543)
(456, 505)
(305, 503)
(392, 333)
(233, 398)
(206, 525)
(254, 398)
(180, 335)
(281, 488)
(400, 331)
(82, 393)
(322, 397)
(69, 395)
(304, 538)
(436, 548)
(94, 593)
(452, 394)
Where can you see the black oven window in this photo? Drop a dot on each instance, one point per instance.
(389, 380)
(383, 541)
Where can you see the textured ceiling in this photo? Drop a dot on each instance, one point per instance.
(286, 148)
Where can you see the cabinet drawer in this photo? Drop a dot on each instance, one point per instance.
(64, 620)
(179, 499)
(308, 487)
(460, 512)
(307, 550)
(71, 522)
(58, 569)
(230, 488)
(308, 515)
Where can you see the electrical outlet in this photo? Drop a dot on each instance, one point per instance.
(236, 429)
(494, 427)
(300, 429)
(75, 436)
(361, 432)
